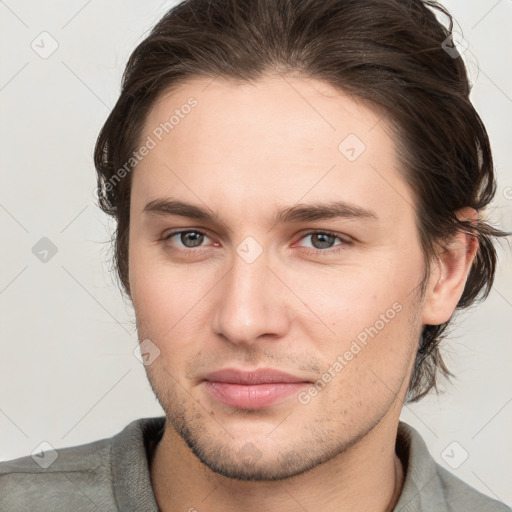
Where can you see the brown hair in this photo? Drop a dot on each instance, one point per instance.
(390, 53)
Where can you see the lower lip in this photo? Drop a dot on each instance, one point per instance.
(255, 396)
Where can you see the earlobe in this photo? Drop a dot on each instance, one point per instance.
(450, 273)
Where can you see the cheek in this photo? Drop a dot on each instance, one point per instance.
(168, 300)
(372, 328)
(365, 373)
(350, 299)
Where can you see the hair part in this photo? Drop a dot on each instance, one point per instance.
(388, 53)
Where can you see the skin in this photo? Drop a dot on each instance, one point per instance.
(244, 152)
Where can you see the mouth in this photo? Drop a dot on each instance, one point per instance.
(252, 390)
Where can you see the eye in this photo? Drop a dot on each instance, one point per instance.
(322, 240)
(188, 239)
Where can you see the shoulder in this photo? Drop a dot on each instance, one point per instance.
(463, 498)
(77, 476)
(100, 475)
(108, 474)
(428, 487)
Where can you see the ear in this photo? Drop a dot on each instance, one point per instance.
(449, 273)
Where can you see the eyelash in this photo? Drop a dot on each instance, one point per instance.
(330, 250)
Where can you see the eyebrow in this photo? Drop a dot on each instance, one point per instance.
(292, 214)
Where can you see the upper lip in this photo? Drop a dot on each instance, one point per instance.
(259, 376)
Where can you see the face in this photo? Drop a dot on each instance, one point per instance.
(271, 228)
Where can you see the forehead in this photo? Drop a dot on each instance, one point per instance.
(304, 113)
(273, 141)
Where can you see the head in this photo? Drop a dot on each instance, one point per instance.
(297, 185)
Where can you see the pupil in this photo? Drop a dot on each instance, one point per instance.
(322, 240)
(193, 237)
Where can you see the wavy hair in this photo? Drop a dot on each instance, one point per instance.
(390, 53)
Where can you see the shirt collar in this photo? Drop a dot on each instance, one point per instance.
(131, 466)
(422, 488)
(131, 448)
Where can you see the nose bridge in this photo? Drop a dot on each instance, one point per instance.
(250, 303)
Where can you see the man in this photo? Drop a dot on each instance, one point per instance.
(298, 188)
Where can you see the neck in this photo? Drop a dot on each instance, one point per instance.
(366, 477)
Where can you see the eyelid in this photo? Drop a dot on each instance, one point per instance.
(183, 230)
(175, 232)
(344, 239)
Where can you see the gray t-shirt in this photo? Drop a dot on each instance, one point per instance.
(113, 474)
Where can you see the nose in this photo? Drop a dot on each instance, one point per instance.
(252, 303)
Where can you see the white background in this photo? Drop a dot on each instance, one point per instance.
(68, 374)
